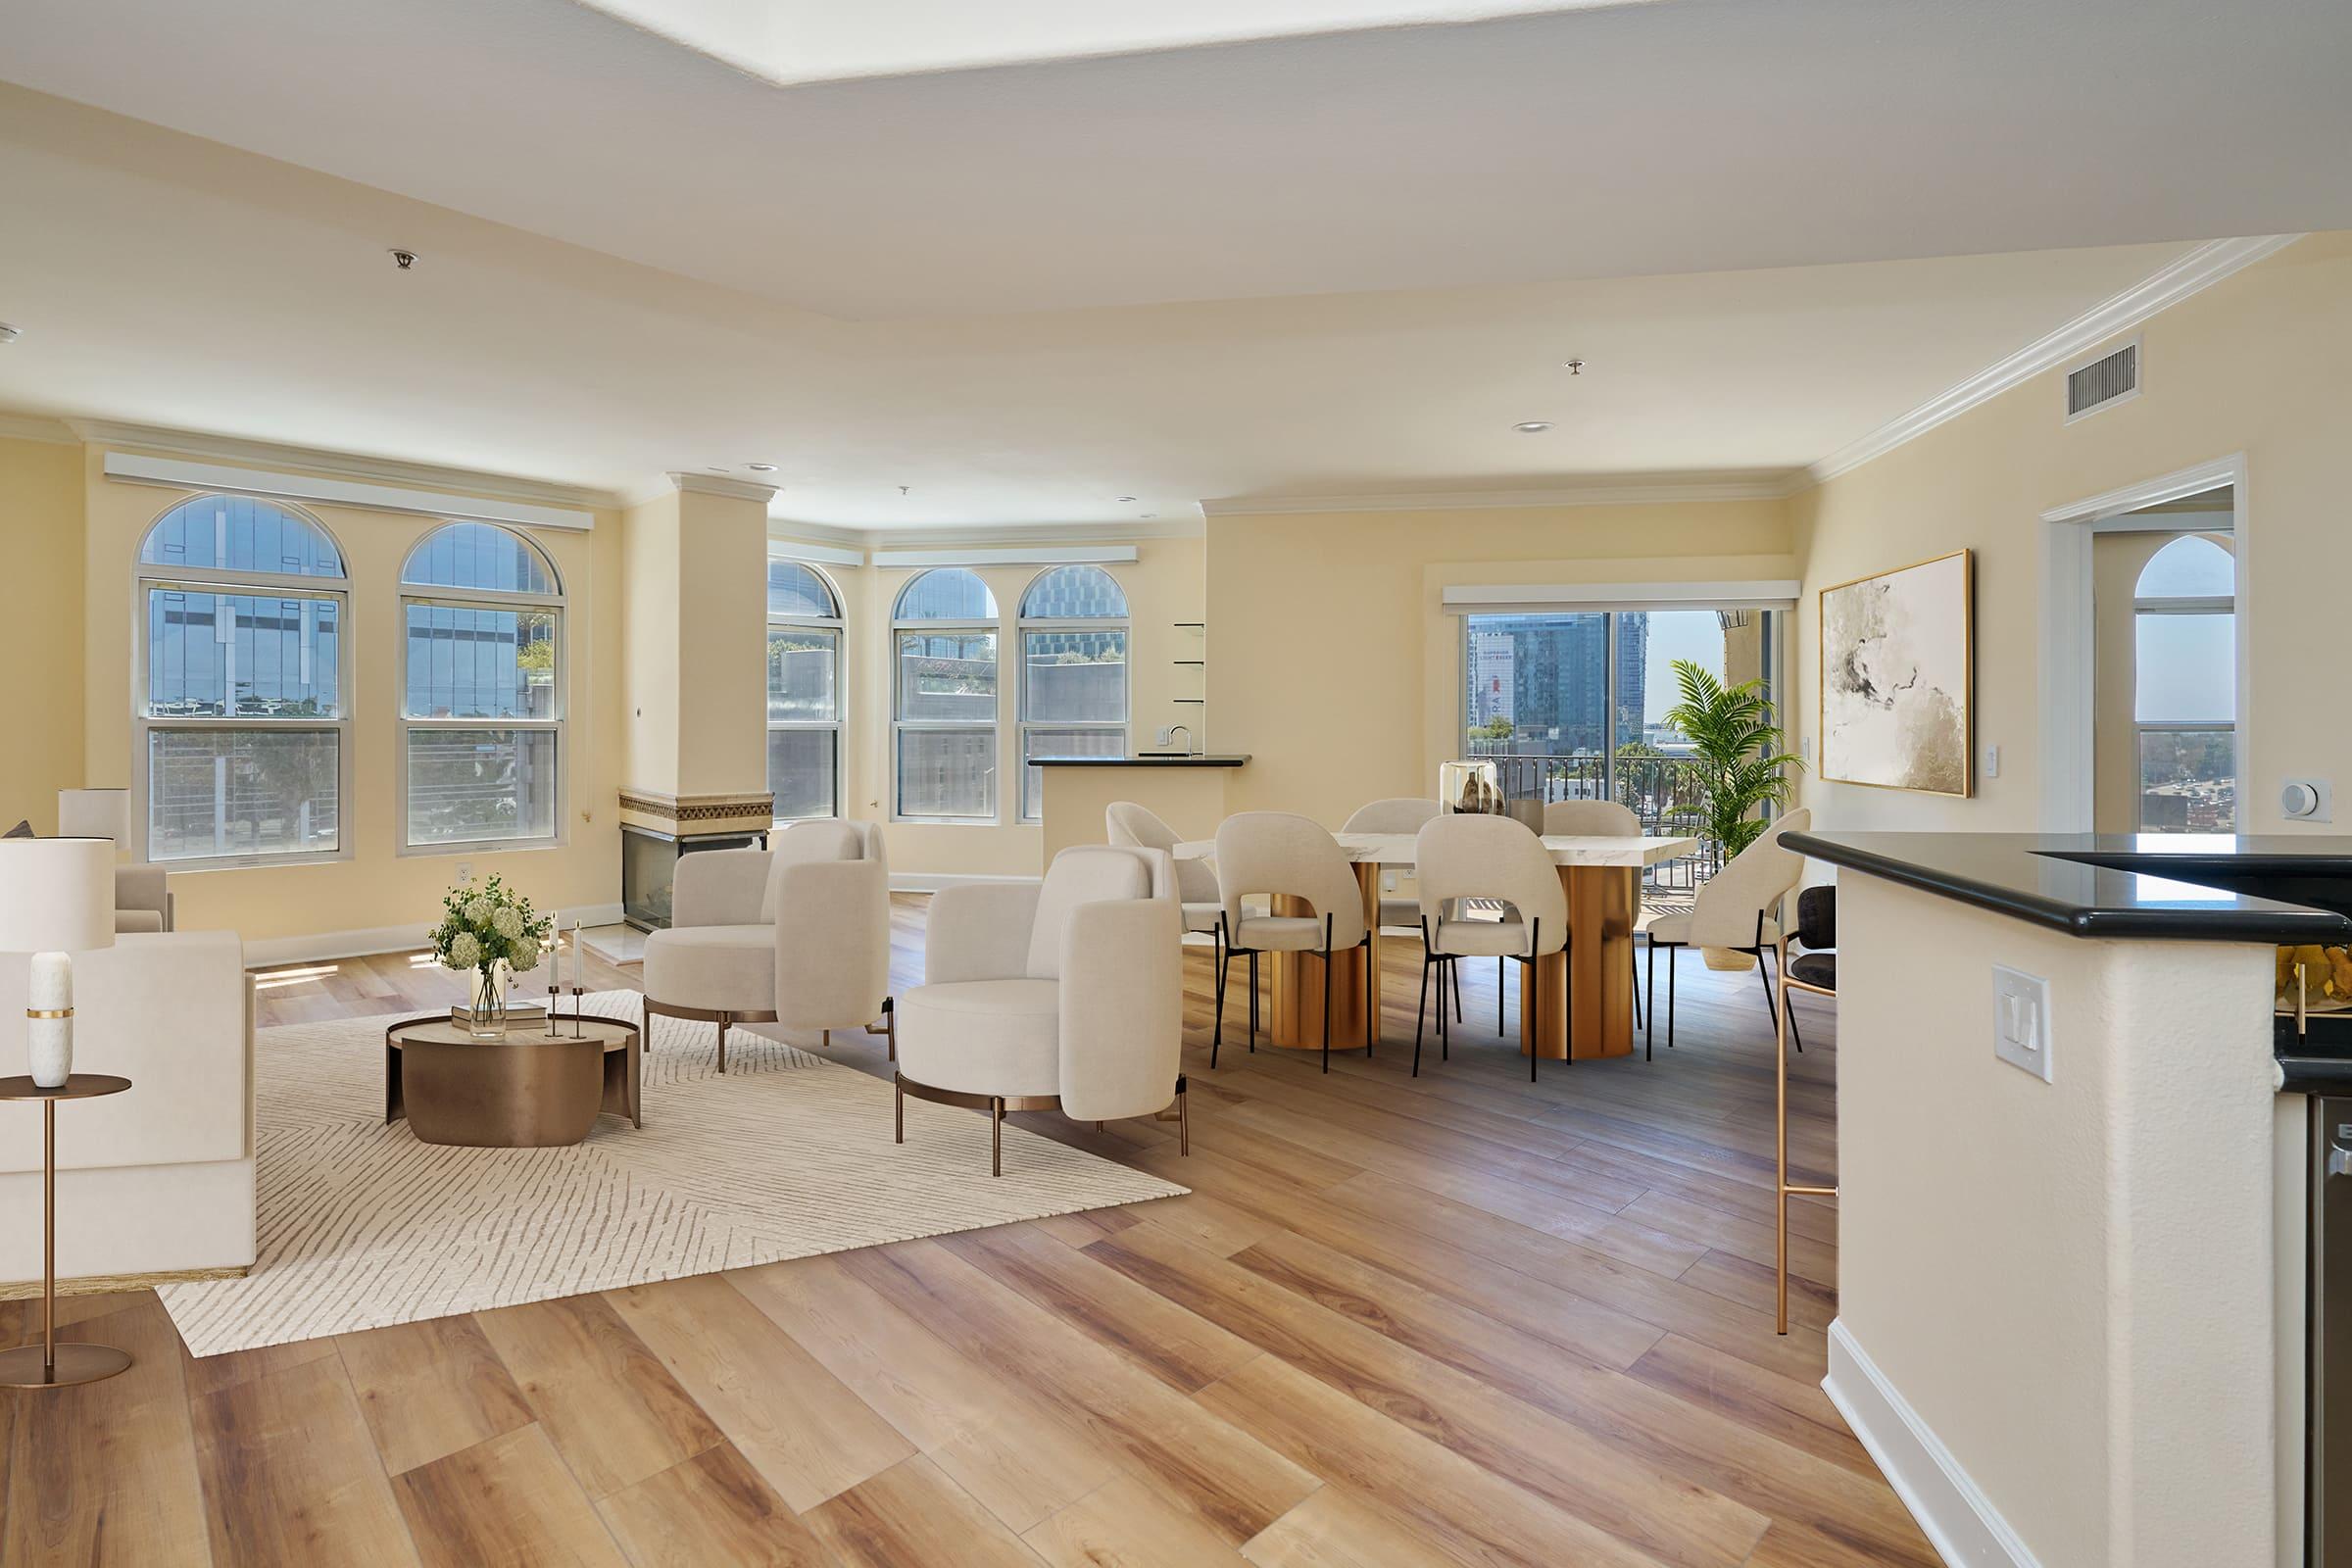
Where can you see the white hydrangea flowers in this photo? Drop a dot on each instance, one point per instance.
(464, 951)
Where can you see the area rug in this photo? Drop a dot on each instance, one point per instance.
(786, 1156)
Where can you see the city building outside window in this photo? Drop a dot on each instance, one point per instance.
(944, 697)
(1074, 673)
(803, 691)
(481, 680)
(242, 703)
(2184, 688)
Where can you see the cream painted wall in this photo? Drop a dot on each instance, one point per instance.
(2250, 365)
(1334, 664)
(379, 886)
(1163, 586)
(41, 635)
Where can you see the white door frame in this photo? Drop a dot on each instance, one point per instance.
(2067, 672)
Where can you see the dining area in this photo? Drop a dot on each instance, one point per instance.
(1560, 894)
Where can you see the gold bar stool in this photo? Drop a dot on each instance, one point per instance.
(1816, 972)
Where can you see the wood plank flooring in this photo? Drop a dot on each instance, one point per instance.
(1452, 1319)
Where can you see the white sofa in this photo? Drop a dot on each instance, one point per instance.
(158, 1180)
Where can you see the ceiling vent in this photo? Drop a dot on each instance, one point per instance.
(2103, 382)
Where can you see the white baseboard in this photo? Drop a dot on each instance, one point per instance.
(933, 881)
(1959, 1521)
(318, 946)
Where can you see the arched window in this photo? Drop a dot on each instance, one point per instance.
(481, 710)
(803, 691)
(2185, 687)
(943, 711)
(242, 700)
(1073, 672)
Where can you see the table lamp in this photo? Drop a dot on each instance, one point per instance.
(57, 896)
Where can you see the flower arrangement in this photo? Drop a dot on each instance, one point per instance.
(487, 929)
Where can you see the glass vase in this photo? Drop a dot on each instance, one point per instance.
(489, 1007)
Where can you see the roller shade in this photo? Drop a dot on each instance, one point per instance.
(1537, 599)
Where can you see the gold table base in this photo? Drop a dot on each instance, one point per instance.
(26, 1368)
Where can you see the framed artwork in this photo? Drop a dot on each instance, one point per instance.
(1897, 678)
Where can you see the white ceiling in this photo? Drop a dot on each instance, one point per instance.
(1306, 266)
(1598, 142)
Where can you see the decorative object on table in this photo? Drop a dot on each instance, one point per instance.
(1735, 762)
(49, 1364)
(1473, 785)
(57, 898)
(2315, 979)
(492, 931)
(1896, 679)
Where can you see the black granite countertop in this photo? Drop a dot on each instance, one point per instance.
(1199, 759)
(2183, 887)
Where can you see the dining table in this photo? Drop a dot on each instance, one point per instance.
(1602, 875)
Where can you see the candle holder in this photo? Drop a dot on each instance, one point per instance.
(577, 991)
(552, 990)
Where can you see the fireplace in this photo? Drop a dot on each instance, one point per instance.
(649, 868)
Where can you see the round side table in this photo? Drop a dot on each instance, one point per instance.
(49, 1364)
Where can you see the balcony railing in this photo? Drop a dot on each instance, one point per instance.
(1662, 792)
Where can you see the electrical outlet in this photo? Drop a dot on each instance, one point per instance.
(2021, 1020)
(465, 870)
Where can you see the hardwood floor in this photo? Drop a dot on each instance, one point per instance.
(1457, 1319)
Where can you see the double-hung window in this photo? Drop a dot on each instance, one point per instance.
(1074, 673)
(242, 707)
(482, 711)
(944, 701)
(803, 691)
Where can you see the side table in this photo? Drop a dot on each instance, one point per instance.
(49, 1364)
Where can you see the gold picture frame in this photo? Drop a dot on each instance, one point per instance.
(1887, 732)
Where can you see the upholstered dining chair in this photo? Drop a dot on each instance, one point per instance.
(1276, 854)
(1736, 909)
(1400, 813)
(737, 942)
(1139, 827)
(1488, 857)
(1597, 819)
(1066, 995)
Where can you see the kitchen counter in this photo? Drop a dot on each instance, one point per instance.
(2180, 887)
(1196, 759)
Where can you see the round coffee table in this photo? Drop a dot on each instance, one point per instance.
(531, 1090)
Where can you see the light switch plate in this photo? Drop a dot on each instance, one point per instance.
(1992, 761)
(2021, 1020)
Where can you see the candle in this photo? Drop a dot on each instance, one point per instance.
(49, 1042)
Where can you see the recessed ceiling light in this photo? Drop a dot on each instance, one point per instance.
(761, 468)
(8, 334)
(1532, 426)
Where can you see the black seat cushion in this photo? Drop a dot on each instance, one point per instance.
(1815, 969)
(1817, 916)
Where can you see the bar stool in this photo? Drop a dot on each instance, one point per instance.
(1814, 970)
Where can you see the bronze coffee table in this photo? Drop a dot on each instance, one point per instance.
(531, 1090)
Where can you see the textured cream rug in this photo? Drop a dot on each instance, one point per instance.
(787, 1155)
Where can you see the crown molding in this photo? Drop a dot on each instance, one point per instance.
(32, 427)
(718, 484)
(1759, 485)
(2190, 273)
(343, 465)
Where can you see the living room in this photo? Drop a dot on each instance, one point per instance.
(770, 816)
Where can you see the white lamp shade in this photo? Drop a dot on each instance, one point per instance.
(94, 815)
(55, 895)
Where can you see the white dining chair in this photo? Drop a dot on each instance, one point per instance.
(1276, 854)
(1492, 858)
(1134, 826)
(1062, 994)
(1737, 908)
(1399, 813)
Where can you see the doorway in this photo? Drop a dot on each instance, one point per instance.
(2163, 596)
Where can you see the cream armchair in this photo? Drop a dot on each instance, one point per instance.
(795, 935)
(1066, 995)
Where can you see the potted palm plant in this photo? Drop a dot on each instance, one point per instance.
(1737, 763)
